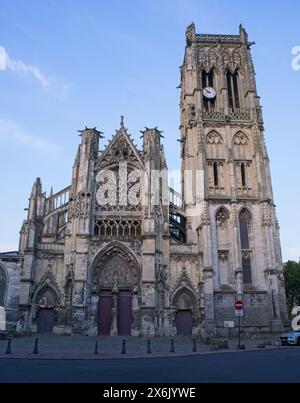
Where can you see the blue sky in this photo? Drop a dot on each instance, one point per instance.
(84, 63)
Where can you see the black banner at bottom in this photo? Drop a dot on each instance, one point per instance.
(92, 392)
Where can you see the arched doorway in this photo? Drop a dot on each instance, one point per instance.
(116, 278)
(45, 320)
(185, 302)
(46, 313)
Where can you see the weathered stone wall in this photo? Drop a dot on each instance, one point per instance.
(257, 311)
(12, 268)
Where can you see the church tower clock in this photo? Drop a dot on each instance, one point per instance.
(229, 203)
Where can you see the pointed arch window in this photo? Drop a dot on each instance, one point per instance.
(207, 79)
(245, 222)
(233, 90)
(216, 174)
(243, 174)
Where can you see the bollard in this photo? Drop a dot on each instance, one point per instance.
(149, 347)
(96, 347)
(123, 347)
(36, 348)
(194, 346)
(172, 350)
(8, 348)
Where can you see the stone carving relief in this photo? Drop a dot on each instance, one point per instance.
(47, 290)
(214, 138)
(115, 269)
(231, 59)
(205, 219)
(46, 299)
(208, 58)
(221, 217)
(79, 205)
(223, 254)
(240, 138)
(136, 247)
(184, 280)
(119, 149)
(191, 115)
(220, 58)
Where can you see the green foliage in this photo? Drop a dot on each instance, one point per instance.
(292, 283)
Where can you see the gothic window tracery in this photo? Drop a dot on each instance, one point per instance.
(245, 236)
(214, 137)
(223, 240)
(207, 79)
(120, 189)
(215, 161)
(216, 175)
(117, 227)
(242, 156)
(233, 90)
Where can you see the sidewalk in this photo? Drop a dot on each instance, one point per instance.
(83, 347)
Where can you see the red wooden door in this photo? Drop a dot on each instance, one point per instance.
(104, 312)
(45, 320)
(124, 313)
(184, 322)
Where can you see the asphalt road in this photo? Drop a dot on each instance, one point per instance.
(278, 365)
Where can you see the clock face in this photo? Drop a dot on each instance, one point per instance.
(209, 92)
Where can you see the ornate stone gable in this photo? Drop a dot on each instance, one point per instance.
(120, 149)
(184, 280)
(48, 281)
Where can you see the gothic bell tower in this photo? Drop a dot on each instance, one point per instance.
(226, 181)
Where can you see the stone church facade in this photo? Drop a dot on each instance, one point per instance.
(97, 259)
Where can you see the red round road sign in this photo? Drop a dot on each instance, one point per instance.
(239, 305)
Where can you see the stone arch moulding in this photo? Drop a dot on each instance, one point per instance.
(120, 253)
(214, 137)
(240, 138)
(222, 211)
(245, 211)
(186, 315)
(48, 288)
(184, 291)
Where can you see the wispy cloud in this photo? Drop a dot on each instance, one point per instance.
(54, 85)
(27, 69)
(11, 130)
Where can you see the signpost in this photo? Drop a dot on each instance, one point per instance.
(228, 324)
(239, 305)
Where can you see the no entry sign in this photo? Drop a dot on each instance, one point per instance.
(239, 305)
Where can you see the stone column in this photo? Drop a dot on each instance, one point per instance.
(148, 287)
(272, 280)
(209, 321)
(236, 250)
(114, 313)
(239, 284)
(93, 325)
